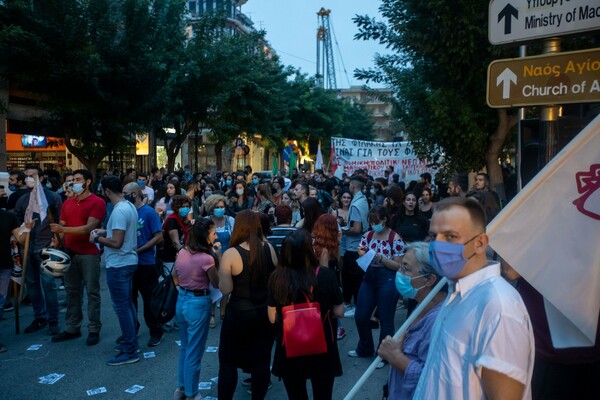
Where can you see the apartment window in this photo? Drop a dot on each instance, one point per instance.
(192, 8)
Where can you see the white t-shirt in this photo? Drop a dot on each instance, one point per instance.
(483, 323)
(148, 194)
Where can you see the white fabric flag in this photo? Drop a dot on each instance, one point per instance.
(550, 234)
(319, 162)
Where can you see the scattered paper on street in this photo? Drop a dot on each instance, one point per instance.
(34, 347)
(93, 392)
(150, 354)
(204, 385)
(50, 379)
(212, 349)
(134, 389)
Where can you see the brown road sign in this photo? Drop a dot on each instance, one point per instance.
(561, 78)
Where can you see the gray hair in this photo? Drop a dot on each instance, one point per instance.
(421, 250)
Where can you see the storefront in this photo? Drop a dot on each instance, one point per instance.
(48, 152)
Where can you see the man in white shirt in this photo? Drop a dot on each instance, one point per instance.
(147, 192)
(482, 342)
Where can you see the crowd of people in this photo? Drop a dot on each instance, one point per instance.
(265, 243)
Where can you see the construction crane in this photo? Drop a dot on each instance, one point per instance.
(325, 64)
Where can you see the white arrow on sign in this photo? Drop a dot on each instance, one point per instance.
(505, 78)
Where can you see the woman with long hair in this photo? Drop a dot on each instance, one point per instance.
(377, 288)
(246, 334)
(175, 228)
(194, 268)
(297, 276)
(426, 204)
(326, 243)
(263, 198)
(164, 205)
(290, 199)
(409, 222)
(239, 198)
(312, 210)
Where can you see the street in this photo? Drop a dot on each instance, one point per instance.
(85, 368)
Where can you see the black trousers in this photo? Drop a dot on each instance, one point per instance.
(553, 381)
(322, 387)
(145, 280)
(352, 276)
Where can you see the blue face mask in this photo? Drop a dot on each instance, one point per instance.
(78, 188)
(228, 182)
(12, 188)
(255, 181)
(405, 287)
(378, 228)
(184, 211)
(219, 212)
(141, 183)
(447, 258)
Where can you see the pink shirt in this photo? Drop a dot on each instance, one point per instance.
(192, 269)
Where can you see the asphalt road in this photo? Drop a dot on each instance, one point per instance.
(85, 368)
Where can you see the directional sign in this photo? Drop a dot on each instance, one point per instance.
(561, 78)
(521, 20)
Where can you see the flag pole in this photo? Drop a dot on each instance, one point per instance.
(16, 300)
(25, 259)
(415, 314)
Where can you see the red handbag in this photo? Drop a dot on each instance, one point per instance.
(303, 333)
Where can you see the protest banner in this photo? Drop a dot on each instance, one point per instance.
(348, 155)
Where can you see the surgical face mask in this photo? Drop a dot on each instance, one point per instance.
(405, 287)
(228, 182)
(78, 188)
(207, 193)
(448, 259)
(255, 181)
(142, 184)
(184, 211)
(378, 228)
(372, 191)
(130, 197)
(239, 192)
(48, 185)
(30, 182)
(219, 212)
(12, 188)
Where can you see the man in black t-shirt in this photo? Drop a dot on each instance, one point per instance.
(9, 225)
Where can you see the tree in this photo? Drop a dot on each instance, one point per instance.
(99, 65)
(438, 72)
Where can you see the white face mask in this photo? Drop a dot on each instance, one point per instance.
(239, 192)
(29, 182)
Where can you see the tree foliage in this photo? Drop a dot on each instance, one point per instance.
(97, 65)
(440, 54)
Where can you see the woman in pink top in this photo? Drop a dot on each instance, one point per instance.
(194, 268)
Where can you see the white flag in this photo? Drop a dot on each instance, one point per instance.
(550, 234)
(319, 162)
(37, 203)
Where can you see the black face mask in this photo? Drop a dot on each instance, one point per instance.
(130, 198)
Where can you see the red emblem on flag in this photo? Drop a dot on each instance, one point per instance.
(588, 184)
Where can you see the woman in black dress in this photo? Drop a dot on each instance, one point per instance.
(298, 275)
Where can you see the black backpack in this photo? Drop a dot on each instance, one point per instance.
(164, 297)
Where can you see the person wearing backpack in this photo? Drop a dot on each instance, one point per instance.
(194, 268)
(378, 288)
(300, 279)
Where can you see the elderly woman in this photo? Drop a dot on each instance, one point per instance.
(407, 355)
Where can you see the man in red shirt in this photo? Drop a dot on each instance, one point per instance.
(81, 214)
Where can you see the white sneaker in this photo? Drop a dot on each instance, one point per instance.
(349, 313)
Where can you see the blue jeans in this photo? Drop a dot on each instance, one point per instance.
(119, 285)
(193, 316)
(377, 290)
(41, 288)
